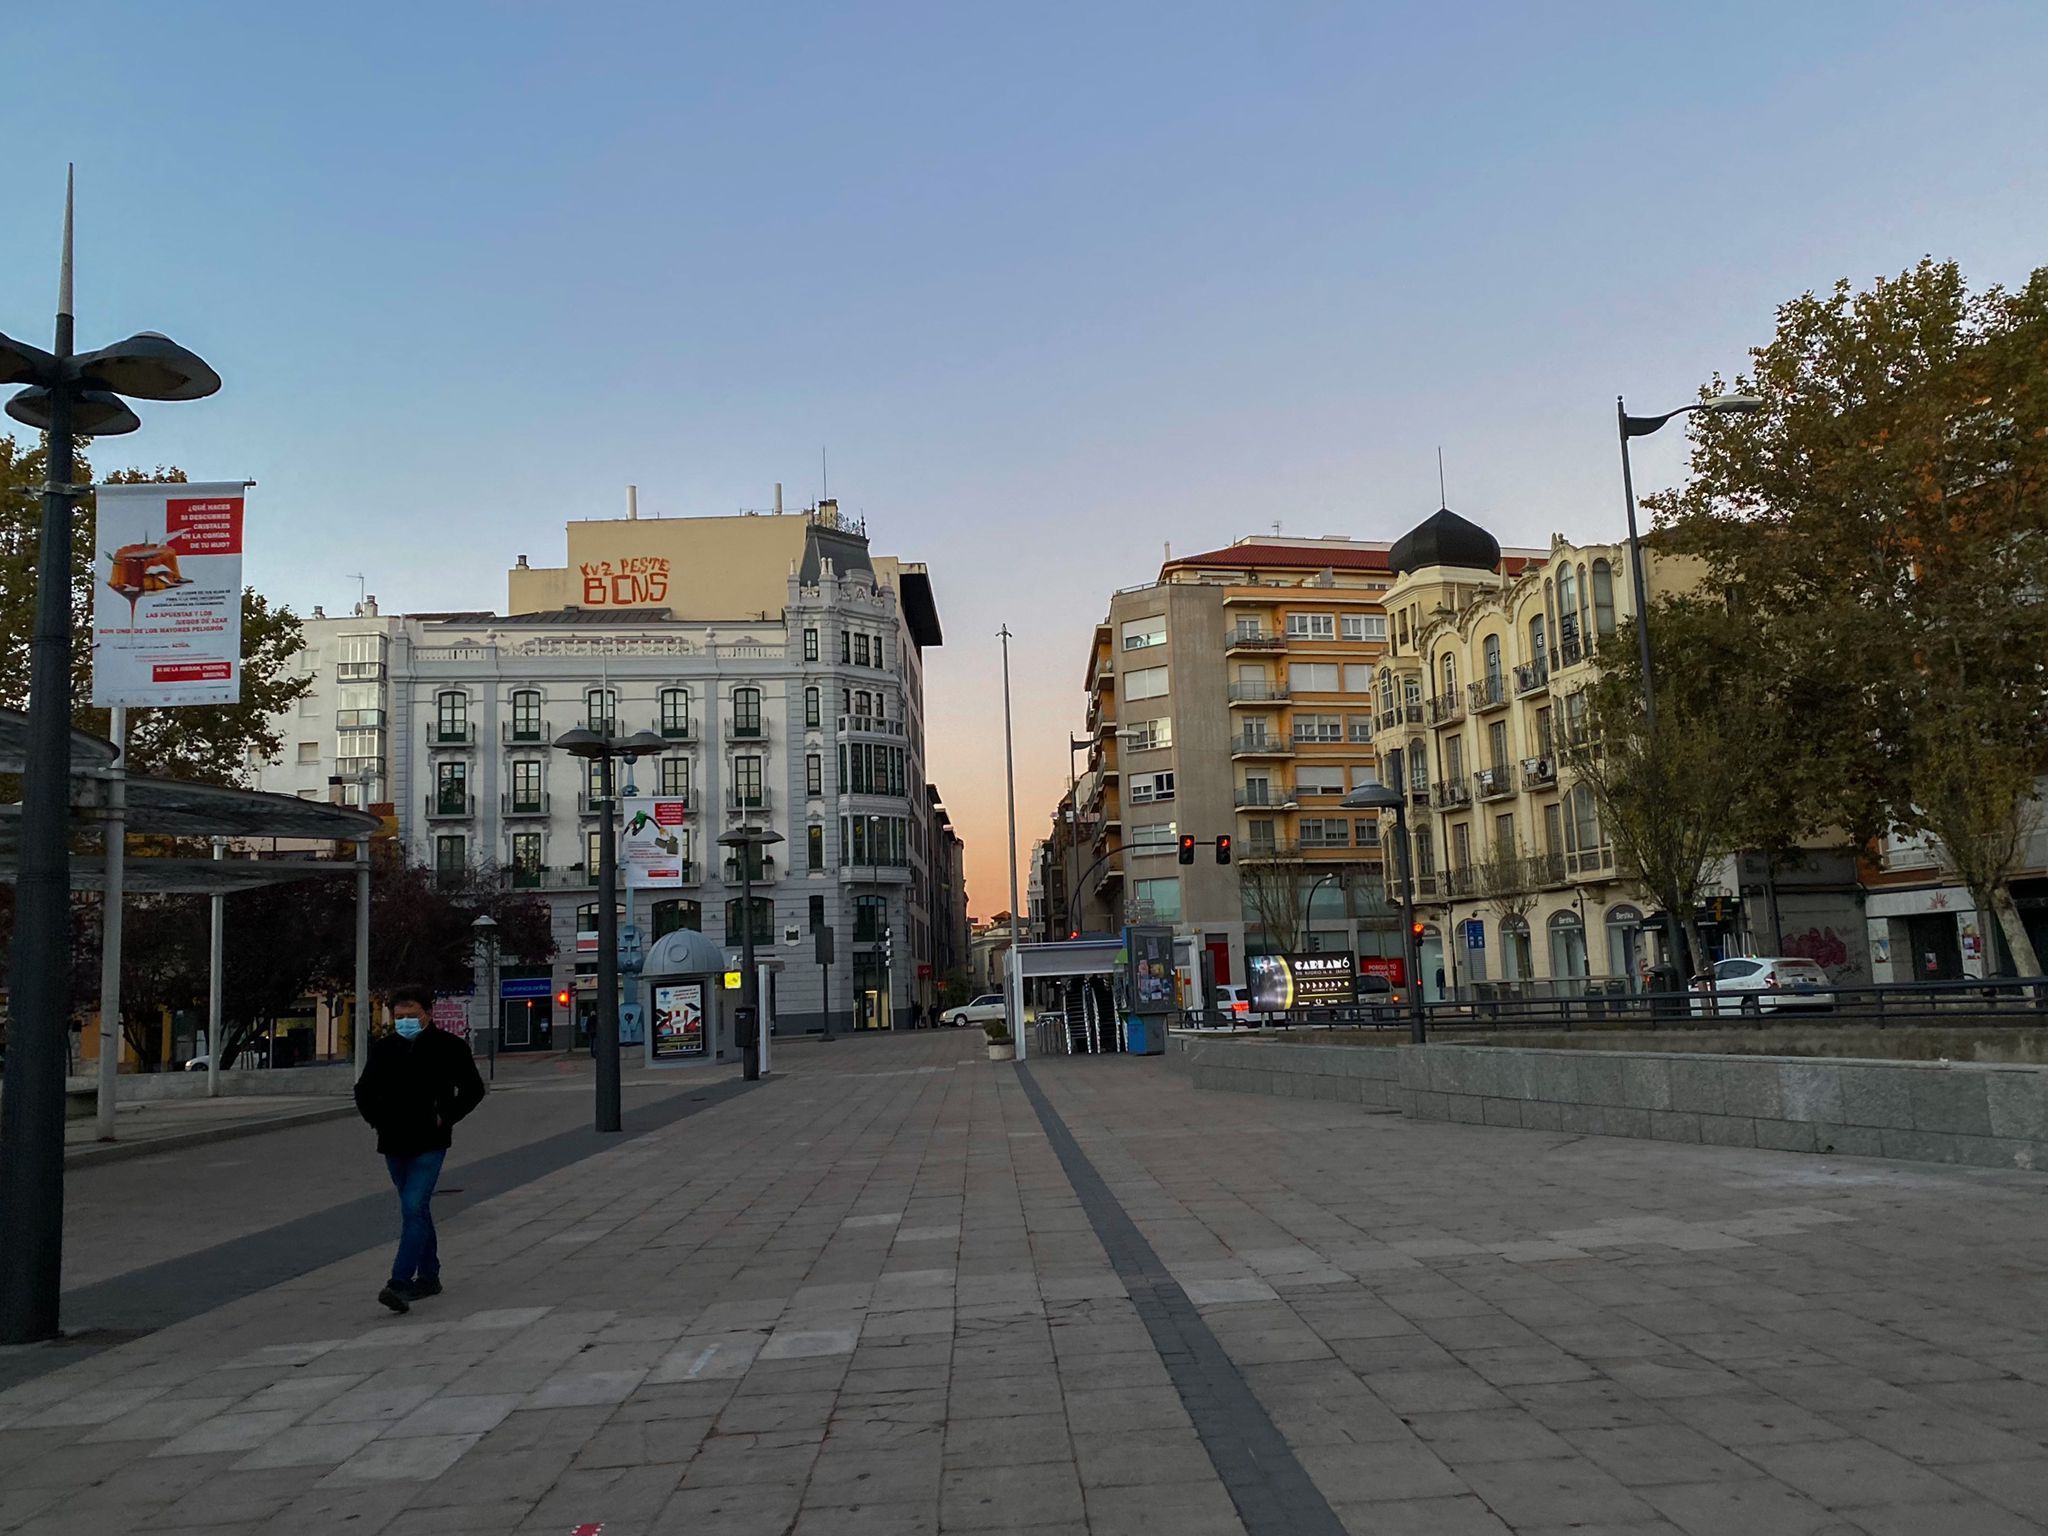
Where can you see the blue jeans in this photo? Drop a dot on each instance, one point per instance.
(415, 1177)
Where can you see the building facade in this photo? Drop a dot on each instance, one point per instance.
(781, 665)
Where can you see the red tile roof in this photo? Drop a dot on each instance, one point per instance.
(1304, 557)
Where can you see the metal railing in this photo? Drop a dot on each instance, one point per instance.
(1532, 677)
(1492, 783)
(450, 805)
(1488, 693)
(536, 733)
(1261, 746)
(870, 725)
(1255, 640)
(747, 730)
(1446, 709)
(1258, 693)
(1451, 792)
(1539, 772)
(1274, 798)
(676, 730)
(442, 734)
(524, 805)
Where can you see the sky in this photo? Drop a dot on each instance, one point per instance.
(1049, 287)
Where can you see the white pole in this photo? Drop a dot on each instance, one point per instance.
(1016, 1000)
(362, 1027)
(110, 927)
(213, 1019)
(767, 1006)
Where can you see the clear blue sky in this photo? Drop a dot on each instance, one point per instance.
(1056, 284)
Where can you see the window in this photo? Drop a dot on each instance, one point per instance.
(1404, 628)
(1141, 633)
(811, 709)
(1491, 654)
(845, 648)
(1147, 787)
(1158, 900)
(1546, 735)
(451, 857)
(814, 853)
(677, 913)
(1449, 668)
(1311, 626)
(526, 785)
(451, 716)
(1504, 846)
(675, 777)
(817, 912)
(1358, 728)
(1325, 832)
(1553, 828)
(1358, 677)
(860, 650)
(1603, 598)
(1537, 655)
(1319, 779)
(863, 704)
(1318, 727)
(1314, 676)
(1497, 746)
(1155, 837)
(810, 645)
(526, 724)
(746, 711)
(1567, 946)
(763, 924)
(1258, 790)
(359, 659)
(675, 712)
(1461, 846)
(746, 783)
(869, 915)
(1425, 850)
(1145, 683)
(814, 774)
(1567, 604)
(1365, 626)
(1454, 758)
(593, 851)
(1411, 695)
(1367, 829)
(451, 787)
(1583, 843)
(1364, 775)
(526, 858)
(1145, 735)
(1258, 834)
(601, 711)
(309, 752)
(593, 779)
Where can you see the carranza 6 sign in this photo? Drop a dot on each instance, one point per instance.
(629, 582)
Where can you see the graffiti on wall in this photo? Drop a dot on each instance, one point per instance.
(1823, 946)
(629, 582)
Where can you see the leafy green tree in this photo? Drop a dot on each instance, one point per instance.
(212, 743)
(1881, 529)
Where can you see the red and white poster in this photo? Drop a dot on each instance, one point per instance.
(653, 841)
(167, 594)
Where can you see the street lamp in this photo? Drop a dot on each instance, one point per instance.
(748, 844)
(1642, 426)
(1310, 914)
(1383, 798)
(486, 930)
(67, 395)
(607, 749)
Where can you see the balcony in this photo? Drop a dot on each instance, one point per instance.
(359, 720)
(740, 802)
(590, 803)
(1426, 886)
(763, 872)
(527, 877)
(525, 733)
(1568, 652)
(752, 728)
(451, 733)
(1261, 746)
(1258, 693)
(1539, 773)
(1448, 794)
(676, 730)
(518, 806)
(1488, 693)
(1408, 712)
(869, 725)
(450, 805)
(1532, 677)
(359, 671)
(1254, 640)
(1418, 792)
(1275, 797)
(1446, 709)
(1494, 783)
(1586, 862)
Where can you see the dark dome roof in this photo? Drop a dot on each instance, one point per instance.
(1444, 538)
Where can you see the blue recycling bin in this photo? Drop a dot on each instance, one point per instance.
(1145, 1034)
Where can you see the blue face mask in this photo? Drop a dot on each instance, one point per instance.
(409, 1027)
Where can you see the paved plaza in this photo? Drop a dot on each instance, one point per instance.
(897, 1289)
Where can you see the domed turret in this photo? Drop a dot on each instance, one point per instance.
(1444, 538)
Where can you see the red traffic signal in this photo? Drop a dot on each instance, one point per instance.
(1415, 929)
(1187, 849)
(562, 998)
(1222, 850)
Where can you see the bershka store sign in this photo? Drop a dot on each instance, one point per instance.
(167, 595)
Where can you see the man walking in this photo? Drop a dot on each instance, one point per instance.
(418, 1082)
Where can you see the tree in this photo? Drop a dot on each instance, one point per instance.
(212, 743)
(1271, 890)
(1881, 528)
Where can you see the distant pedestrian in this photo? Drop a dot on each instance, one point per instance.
(419, 1081)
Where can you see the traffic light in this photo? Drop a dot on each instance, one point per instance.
(1187, 849)
(1415, 932)
(1222, 850)
(562, 998)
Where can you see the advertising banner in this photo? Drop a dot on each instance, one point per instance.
(1280, 982)
(679, 1020)
(1389, 968)
(1150, 952)
(451, 1013)
(651, 842)
(167, 595)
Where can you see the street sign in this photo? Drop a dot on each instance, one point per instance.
(525, 986)
(1475, 933)
(733, 980)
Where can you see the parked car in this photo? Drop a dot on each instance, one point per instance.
(1760, 984)
(1234, 1002)
(985, 1009)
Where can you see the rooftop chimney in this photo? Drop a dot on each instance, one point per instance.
(633, 501)
(370, 606)
(778, 498)
(522, 562)
(319, 612)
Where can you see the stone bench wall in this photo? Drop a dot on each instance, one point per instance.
(1348, 1074)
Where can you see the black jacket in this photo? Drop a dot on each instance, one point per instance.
(413, 1091)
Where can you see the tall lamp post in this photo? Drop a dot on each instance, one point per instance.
(1642, 426)
(748, 844)
(1383, 798)
(607, 749)
(68, 394)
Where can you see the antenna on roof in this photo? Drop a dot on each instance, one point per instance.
(1443, 499)
(361, 586)
(1276, 527)
(824, 475)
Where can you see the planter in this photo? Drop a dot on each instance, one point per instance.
(1005, 1051)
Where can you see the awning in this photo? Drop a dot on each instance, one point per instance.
(178, 809)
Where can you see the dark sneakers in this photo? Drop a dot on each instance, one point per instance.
(394, 1298)
(420, 1288)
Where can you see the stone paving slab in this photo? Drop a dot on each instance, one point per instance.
(870, 1297)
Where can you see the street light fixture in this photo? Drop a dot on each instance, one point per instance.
(1642, 426)
(1383, 798)
(66, 395)
(606, 749)
(748, 843)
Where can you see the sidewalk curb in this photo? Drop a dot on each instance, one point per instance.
(92, 1154)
